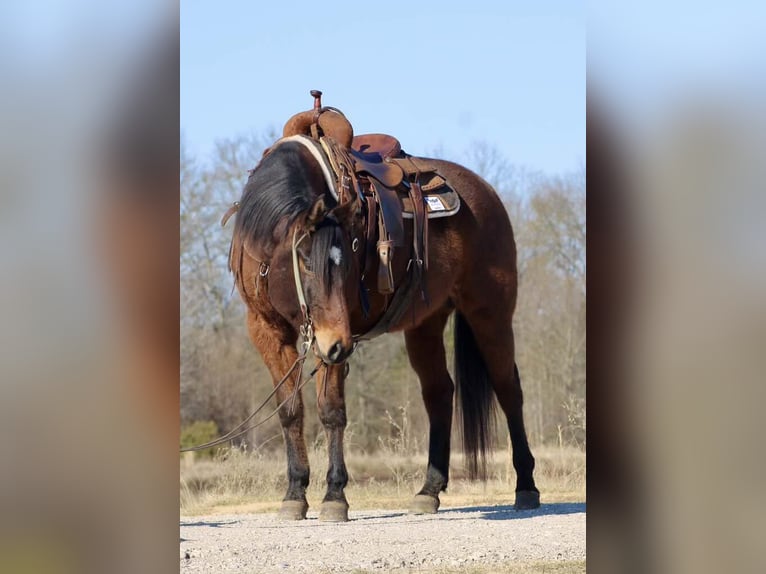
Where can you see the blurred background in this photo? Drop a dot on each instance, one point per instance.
(676, 283)
(88, 286)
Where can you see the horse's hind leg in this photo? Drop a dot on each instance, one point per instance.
(279, 355)
(332, 413)
(425, 346)
(491, 330)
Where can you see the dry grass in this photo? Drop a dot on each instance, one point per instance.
(256, 482)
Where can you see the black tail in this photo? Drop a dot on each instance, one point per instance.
(475, 399)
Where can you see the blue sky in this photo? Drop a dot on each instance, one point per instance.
(438, 75)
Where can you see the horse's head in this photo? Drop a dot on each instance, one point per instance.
(324, 249)
(289, 220)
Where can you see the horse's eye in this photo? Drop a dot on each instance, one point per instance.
(306, 262)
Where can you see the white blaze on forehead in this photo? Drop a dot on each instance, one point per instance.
(335, 255)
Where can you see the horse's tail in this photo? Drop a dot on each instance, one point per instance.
(475, 399)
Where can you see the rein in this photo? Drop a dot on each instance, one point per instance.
(307, 334)
(236, 432)
(307, 329)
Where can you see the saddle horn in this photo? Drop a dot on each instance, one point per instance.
(328, 121)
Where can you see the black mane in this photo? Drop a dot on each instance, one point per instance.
(279, 187)
(284, 186)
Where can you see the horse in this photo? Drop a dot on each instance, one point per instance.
(298, 254)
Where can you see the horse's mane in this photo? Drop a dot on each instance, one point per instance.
(280, 186)
(280, 189)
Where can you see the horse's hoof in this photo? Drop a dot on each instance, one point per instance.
(334, 511)
(527, 500)
(424, 504)
(293, 509)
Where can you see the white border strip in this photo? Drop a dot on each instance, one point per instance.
(310, 145)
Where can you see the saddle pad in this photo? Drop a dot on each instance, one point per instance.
(441, 200)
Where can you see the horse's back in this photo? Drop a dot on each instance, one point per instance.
(482, 222)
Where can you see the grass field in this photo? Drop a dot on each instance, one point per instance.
(238, 481)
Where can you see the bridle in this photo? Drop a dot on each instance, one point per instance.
(338, 173)
(307, 327)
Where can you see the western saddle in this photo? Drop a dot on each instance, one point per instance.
(393, 186)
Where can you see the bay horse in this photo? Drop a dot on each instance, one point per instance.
(297, 264)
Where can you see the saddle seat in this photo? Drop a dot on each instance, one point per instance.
(371, 153)
(381, 145)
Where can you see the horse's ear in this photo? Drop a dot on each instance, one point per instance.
(346, 212)
(317, 213)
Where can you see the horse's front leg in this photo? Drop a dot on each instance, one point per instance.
(332, 413)
(279, 355)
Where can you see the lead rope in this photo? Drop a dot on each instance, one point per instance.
(232, 434)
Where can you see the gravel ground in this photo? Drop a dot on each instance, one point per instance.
(383, 540)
